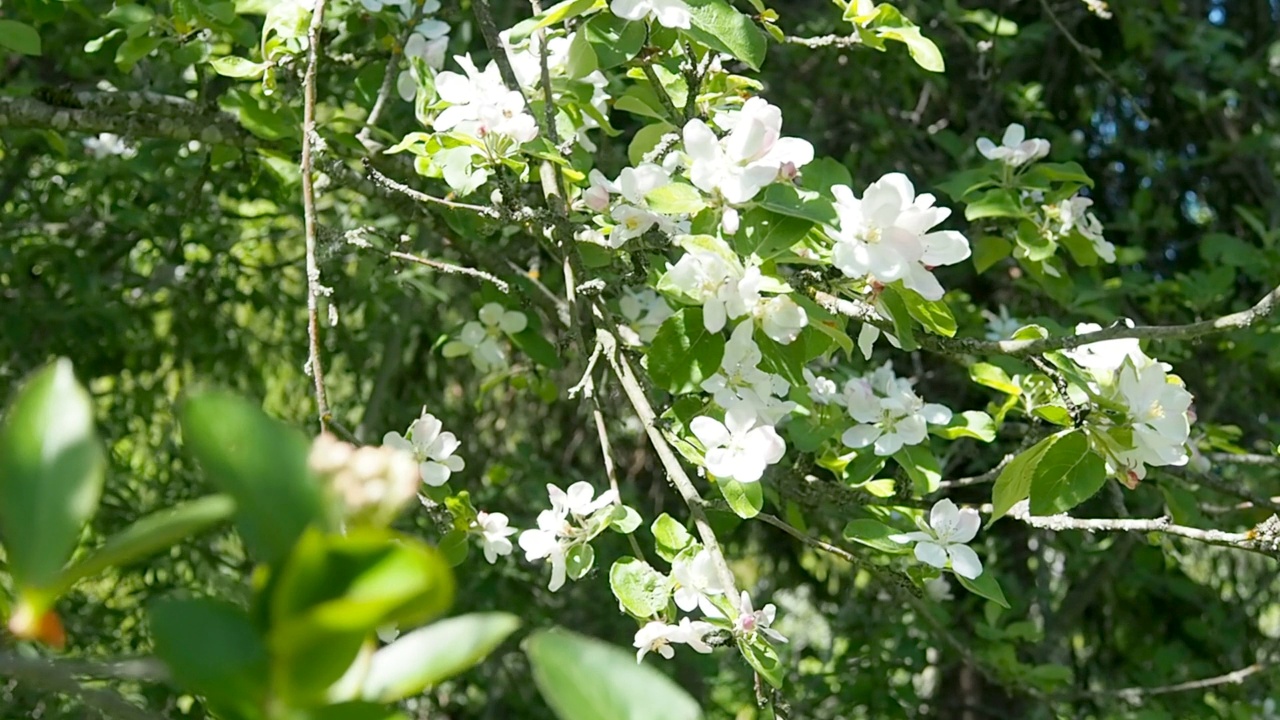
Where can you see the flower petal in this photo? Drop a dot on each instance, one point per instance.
(931, 553)
(964, 561)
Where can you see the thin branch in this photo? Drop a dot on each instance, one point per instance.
(52, 677)
(314, 361)
(864, 312)
(452, 269)
(667, 456)
(986, 477)
(825, 41)
(1244, 459)
(148, 122)
(1221, 485)
(1262, 539)
(389, 78)
(663, 96)
(1134, 695)
(1087, 54)
(389, 184)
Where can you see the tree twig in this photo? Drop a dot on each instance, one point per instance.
(1087, 54)
(314, 362)
(1262, 539)
(52, 677)
(825, 41)
(149, 121)
(1134, 695)
(389, 78)
(386, 182)
(452, 269)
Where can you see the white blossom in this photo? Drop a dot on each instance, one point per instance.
(657, 636)
(544, 543)
(741, 381)
(886, 235)
(753, 155)
(1014, 149)
(494, 534)
(739, 448)
(781, 318)
(668, 13)
(432, 449)
(725, 289)
(946, 537)
(1107, 356)
(578, 500)
(696, 582)
(480, 340)
(1075, 215)
(822, 391)
(645, 311)
(1001, 326)
(890, 415)
(751, 621)
(1158, 410)
(106, 145)
(480, 104)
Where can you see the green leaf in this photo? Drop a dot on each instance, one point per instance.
(1060, 172)
(558, 13)
(684, 352)
(768, 234)
(675, 198)
(579, 560)
(745, 499)
(538, 348)
(259, 462)
(582, 678)
(332, 594)
(352, 711)
(19, 37)
(922, 49)
(646, 139)
(51, 473)
(1069, 473)
(624, 520)
(151, 534)
(134, 49)
(993, 203)
(1014, 483)
(425, 657)
(763, 658)
(989, 250)
(641, 590)
(238, 67)
(616, 41)
(873, 533)
(993, 377)
(971, 424)
(934, 315)
(804, 204)
(582, 57)
(669, 537)
(213, 649)
(921, 466)
(900, 315)
(718, 26)
(823, 174)
(985, 585)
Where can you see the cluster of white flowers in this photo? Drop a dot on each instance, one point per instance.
(945, 537)
(668, 13)
(429, 42)
(481, 341)
(751, 156)
(370, 483)
(432, 449)
(1156, 406)
(480, 105)
(644, 311)
(888, 412)
(575, 518)
(627, 215)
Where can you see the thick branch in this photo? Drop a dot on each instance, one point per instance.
(314, 361)
(1264, 539)
(171, 119)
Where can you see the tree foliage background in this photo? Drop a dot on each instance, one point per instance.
(180, 266)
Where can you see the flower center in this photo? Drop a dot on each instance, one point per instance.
(870, 235)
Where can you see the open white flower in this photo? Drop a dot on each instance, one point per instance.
(1001, 326)
(741, 381)
(751, 621)
(480, 339)
(753, 155)
(738, 448)
(696, 583)
(432, 449)
(657, 636)
(1014, 149)
(781, 318)
(1075, 215)
(578, 499)
(494, 534)
(645, 311)
(886, 235)
(1107, 356)
(725, 289)
(668, 13)
(480, 104)
(545, 543)
(1158, 409)
(822, 391)
(946, 537)
(890, 416)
